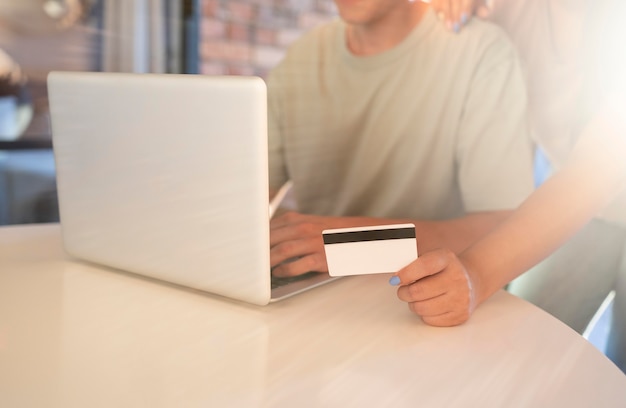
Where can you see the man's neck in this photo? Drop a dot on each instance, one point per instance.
(387, 32)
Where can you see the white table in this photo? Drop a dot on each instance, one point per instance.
(78, 335)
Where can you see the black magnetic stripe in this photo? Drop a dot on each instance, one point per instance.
(370, 235)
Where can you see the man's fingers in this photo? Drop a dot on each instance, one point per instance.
(286, 218)
(292, 231)
(296, 244)
(291, 249)
(313, 262)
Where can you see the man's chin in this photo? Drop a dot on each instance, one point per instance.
(354, 15)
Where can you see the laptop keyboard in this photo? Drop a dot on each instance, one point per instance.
(277, 282)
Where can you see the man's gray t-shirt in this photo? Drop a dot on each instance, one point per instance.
(430, 129)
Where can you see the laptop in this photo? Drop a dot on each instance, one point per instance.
(165, 175)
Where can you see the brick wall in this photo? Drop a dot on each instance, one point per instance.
(249, 37)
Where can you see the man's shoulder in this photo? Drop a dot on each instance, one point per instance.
(306, 52)
(485, 35)
(316, 39)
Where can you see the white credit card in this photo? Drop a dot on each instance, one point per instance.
(368, 250)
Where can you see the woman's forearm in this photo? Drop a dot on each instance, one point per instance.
(594, 174)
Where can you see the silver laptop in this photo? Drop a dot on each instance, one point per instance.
(166, 176)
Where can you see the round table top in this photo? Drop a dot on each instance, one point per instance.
(74, 334)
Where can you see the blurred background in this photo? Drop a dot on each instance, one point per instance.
(207, 37)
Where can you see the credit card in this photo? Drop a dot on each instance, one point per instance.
(369, 250)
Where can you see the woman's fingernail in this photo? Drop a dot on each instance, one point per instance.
(394, 281)
(464, 18)
(456, 27)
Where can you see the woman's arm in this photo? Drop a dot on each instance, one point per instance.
(445, 289)
(456, 13)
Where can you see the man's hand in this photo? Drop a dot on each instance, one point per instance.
(456, 13)
(438, 288)
(296, 243)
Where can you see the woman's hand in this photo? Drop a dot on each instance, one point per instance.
(456, 13)
(437, 287)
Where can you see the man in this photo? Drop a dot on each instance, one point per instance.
(347, 129)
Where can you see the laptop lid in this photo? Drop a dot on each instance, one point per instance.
(165, 176)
